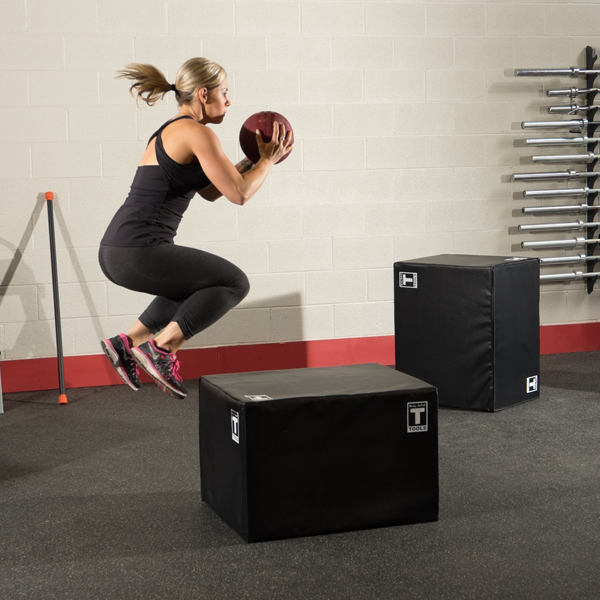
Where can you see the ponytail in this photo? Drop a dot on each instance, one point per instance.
(149, 83)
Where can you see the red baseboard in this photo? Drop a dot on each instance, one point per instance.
(89, 371)
(578, 337)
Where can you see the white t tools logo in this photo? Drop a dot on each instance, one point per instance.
(235, 426)
(407, 280)
(532, 384)
(417, 416)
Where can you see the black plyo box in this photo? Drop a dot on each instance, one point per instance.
(319, 450)
(469, 325)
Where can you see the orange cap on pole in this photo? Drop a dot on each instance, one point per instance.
(49, 195)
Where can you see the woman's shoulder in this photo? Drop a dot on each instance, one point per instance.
(187, 136)
(193, 128)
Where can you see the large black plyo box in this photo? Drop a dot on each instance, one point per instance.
(469, 325)
(328, 451)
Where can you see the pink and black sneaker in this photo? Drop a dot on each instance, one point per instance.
(162, 366)
(119, 353)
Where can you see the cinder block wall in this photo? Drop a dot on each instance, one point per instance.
(405, 116)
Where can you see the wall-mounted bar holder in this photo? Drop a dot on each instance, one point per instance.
(561, 260)
(586, 128)
(590, 60)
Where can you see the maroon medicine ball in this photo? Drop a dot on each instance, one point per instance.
(263, 121)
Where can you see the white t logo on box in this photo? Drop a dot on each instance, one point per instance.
(417, 416)
(532, 384)
(407, 280)
(235, 426)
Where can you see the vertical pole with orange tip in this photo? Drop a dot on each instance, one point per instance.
(62, 398)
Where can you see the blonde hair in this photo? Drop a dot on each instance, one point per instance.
(150, 84)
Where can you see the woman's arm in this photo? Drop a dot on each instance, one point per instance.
(211, 193)
(235, 186)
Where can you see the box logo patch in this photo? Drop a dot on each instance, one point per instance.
(417, 416)
(235, 426)
(407, 280)
(258, 398)
(532, 384)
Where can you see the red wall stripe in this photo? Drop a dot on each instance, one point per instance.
(94, 370)
(579, 337)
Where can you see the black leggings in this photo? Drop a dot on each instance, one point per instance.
(192, 287)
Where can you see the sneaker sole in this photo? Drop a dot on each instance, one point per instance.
(142, 360)
(179, 395)
(113, 357)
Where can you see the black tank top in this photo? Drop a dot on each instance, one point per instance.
(158, 197)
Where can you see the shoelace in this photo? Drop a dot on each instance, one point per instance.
(131, 367)
(175, 367)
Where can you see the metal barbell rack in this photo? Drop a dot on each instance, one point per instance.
(586, 128)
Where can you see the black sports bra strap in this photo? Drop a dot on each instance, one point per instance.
(167, 123)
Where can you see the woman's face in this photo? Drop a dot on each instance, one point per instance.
(216, 103)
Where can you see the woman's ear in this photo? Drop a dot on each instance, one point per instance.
(203, 95)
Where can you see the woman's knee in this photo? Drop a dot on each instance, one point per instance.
(242, 286)
(103, 264)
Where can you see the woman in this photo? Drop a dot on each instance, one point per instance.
(193, 288)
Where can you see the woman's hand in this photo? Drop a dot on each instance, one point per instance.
(279, 145)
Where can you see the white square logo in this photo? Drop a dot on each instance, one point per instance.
(532, 384)
(407, 280)
(258, 398)
(235, 426)
(417, 416)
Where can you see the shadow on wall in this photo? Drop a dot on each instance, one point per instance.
(283, 313)
(36, 337)
(247, 335)
(41, 338)
(76, 264)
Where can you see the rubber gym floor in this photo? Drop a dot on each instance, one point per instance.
(101, 499)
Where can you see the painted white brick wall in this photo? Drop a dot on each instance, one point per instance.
(406, 117)
(66, 16)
